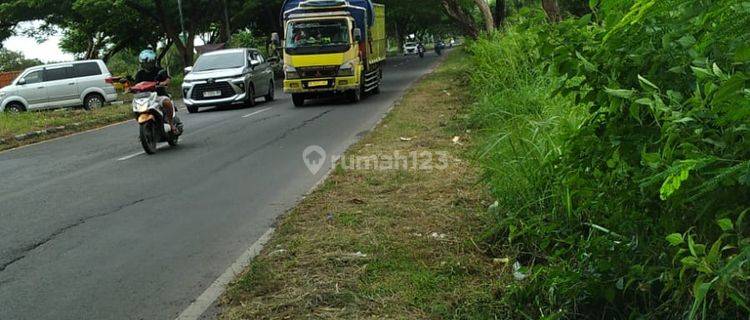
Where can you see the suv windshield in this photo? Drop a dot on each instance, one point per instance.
(220, 61)
(318, 36)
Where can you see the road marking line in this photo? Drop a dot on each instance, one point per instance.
(131, 156)
(256, 112)
(205, 300)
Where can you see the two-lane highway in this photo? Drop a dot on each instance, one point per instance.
(91, 228)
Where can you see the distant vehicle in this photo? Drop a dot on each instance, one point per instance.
(439, 47)
(332, 48)
(60, 85)
(411, 48)
(452, 42)
(227, 77)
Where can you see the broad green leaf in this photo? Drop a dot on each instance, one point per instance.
(645, 102)
(675, 239)
(620, 93)
(689, 261)
(687, 41)
(587, 64)
(718, 72)
(715, 253)
(645, 81)
(692, 246)
(702, 73)
(675, 179)
(725, 224)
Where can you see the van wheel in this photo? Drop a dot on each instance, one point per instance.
(298, 99)
(14, 107)
(93, 101)
(271, 92)
(192, 109)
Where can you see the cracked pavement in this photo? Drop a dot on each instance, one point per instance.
(85, 235)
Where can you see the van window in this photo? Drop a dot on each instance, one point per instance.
(87, 69)
(58, 74)
(33, 77)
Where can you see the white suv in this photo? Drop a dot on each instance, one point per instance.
(411, 48)
(71, 84)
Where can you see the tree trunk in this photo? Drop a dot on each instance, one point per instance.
(227, 27)
(464, 20)
(500, 13)
(489, 22)
(552, 9)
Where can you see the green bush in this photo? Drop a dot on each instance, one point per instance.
(618, 148)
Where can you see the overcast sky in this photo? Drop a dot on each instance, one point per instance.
(48, 51)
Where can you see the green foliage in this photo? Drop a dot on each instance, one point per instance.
(15, 61)
(618, 147)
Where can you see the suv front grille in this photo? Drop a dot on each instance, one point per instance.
(200, 89)
(318, 72)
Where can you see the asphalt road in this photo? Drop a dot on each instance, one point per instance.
(91, 228)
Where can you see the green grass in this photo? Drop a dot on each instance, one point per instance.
(361, 246)
(24, 122)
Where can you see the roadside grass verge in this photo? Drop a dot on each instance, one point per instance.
(385, 243)
(74, 120)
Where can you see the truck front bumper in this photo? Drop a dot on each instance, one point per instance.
(339, 84)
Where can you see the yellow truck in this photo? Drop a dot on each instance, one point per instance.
(332, 47)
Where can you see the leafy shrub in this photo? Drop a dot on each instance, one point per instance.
(618, 148)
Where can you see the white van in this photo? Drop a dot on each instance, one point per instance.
(60, 85)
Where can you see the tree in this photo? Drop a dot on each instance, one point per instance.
(456, 10)
(500, 12)
(15, 61)
(415, 17)
(489, 21)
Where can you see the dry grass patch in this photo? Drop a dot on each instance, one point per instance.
(392, 244)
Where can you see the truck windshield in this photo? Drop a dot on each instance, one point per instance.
(317, 36)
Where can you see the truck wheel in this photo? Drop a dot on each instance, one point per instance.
(298, 99)
(355, 96)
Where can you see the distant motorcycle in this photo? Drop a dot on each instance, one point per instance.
(153, 125)
(439, 48)
(420, 49)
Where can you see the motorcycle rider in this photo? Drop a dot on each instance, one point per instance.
(420, 49)
(152, 72)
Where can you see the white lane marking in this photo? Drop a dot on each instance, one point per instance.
(158, 147)
(256, 112)
(130, 156)
(205, 300)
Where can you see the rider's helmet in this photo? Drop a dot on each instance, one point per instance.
(147, 59)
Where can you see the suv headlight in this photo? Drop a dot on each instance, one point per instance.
(290, 73)
(347, 69)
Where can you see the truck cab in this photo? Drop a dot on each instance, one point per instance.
(329, 49)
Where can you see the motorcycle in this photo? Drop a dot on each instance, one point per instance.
(152, 122)
(420, 49)
(439, 48)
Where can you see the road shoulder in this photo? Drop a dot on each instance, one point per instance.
(393, 231)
